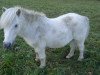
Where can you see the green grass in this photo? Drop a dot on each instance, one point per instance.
(20, 59)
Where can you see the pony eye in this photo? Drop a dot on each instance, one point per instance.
(16, 26)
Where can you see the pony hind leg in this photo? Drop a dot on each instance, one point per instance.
(37, 57)
(81, 46)
(73, 46)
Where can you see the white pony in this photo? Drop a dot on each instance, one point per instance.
(40, 31)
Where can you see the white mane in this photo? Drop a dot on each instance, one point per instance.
(9, 15)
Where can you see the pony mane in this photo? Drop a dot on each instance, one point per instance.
(31, 15)
(8, 16)
(31, 12)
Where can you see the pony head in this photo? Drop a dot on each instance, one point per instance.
(14, 21)
(9, 21)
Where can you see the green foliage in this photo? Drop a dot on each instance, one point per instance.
(20, 59)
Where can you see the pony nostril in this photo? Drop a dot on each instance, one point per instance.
(7, 45)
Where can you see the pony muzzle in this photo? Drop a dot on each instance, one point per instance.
(7, 45)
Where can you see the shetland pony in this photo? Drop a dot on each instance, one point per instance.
(40, 32)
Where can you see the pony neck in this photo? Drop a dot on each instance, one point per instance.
(32, 15)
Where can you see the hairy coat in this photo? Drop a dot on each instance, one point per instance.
(40, 31)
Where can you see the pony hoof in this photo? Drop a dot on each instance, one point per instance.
(41, 66)
(80, 59)
(69, 56)
(37, 60)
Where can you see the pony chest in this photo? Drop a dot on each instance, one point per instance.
(31, 38)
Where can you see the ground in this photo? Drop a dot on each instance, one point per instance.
(20, 59)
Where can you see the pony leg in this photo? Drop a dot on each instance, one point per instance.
(81, 49)
(40, 53)
(42, 57)
(37, 57)
(72, 50)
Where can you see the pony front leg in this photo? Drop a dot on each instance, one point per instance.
(40, 55)
(42, 58)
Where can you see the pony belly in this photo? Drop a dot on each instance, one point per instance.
(59, 42)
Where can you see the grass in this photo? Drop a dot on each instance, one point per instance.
(20, 59)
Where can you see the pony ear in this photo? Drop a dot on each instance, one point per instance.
(18, 12)
(4, 9)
